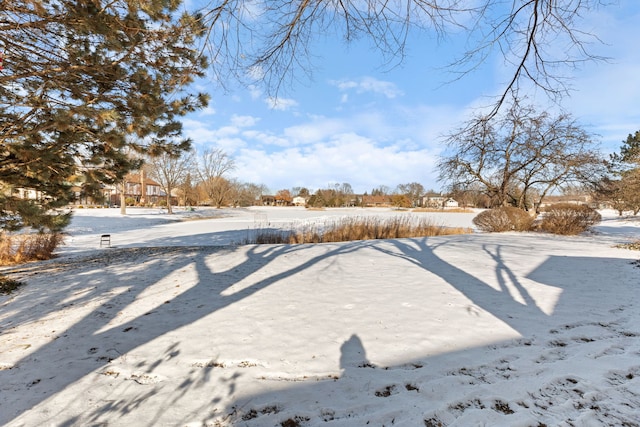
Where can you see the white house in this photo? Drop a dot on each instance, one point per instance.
(299, 201)
(438, 201)
(450, 203)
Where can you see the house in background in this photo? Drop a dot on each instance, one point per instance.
(376, 201)
(450, 203)
(139, 190)
(433, 201)
(577, 199)
(267, 200)
(27, 193)
(299, 201)
(438, 201)
(76, 188)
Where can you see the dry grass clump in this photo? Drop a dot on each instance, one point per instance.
(505, 218)
(19, 248)
(8, 285)
(568, 219)
(634, 246)
(444, 210)
(357, 228)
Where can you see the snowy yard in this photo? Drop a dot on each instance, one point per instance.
(178, 324)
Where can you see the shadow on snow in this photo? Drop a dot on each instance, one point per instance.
(112, 290)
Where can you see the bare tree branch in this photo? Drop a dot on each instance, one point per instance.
(274, 40)
(519, 156)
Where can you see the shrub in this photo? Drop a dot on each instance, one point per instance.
(505, 218)
(15, 249)
(568, 219)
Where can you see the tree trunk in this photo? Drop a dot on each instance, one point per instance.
(143, 189)
(123, 204)
(169, 210)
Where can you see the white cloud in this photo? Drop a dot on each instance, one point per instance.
(231, 145)
(423, 125)
(255, 92)
(366, 148)
(280, 104)
(208, 111)
(256, 73)
(227, 137)
(368, 85)
(244, 121)
(347, 157)
(265, 139)
(252, 10)
(317, 129)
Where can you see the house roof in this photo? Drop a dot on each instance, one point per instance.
(375, 199)
(135, 179)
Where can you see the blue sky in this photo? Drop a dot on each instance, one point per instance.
(360, 122)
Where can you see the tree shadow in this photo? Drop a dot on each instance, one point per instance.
(442, 386)
(510, 302)
(106, 287)
(360, 387)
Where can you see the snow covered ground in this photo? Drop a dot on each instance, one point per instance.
(179, 324)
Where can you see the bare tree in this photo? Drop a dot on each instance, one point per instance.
(246, 193)
(519, 157)
(187, 190)
(274, 40)
(472, 195)
(343, 194)
(221, 191)
(213, 164)
(413, 190)
(169, 171)
(301, 191)
(283, 197)
(381, 190)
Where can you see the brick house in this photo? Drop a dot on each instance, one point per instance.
(140, 189)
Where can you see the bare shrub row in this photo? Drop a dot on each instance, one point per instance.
(19, 248)
(442, 210)
(356, 228)
(563, 219)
